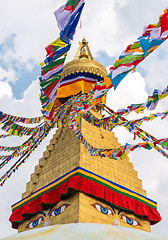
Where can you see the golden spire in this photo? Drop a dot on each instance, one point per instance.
(83, 54)
(83, 50)
(84, 62)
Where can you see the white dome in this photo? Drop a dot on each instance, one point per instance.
(84, 231)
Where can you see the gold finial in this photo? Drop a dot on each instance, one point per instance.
(83, 54)
(84, 42)
(83, 62)
(83, 51)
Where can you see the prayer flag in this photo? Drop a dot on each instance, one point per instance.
(67, 18)
(64, 13)
(153, 36)
(54, 46)
(164, 25)
(67, 34)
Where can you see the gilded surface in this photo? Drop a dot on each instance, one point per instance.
(64, 153)
(84, 62)
(84, 65)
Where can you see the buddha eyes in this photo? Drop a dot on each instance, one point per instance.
(35, 223)
(102, 209)
(98, 207)
(59, 210)
(130, 221)
(54, 212)
(107, 211)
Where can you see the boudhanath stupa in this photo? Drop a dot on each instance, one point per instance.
(73, 195)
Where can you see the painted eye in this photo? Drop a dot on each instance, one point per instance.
(59, 210)
(130, 221)
(35, 223)
(102, 209)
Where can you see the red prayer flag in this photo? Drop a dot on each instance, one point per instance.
(164, 24)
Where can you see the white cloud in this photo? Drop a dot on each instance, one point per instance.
(156, 68)
(8, 75)
(27, 21)
(29, 106)
(131, 90)
(5, 89)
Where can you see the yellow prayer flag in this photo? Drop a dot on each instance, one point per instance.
(58, 42)
(125, 154)
(151, 145)
(163, 96)
(10, 131)
(49, 107)
(152, 117)
(58, 124)
(42, 64)
(15, 133)
(140, 109)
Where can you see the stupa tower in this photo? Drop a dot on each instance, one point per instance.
(71, 186)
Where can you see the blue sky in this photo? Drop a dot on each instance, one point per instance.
(20, 86)
(24, 76)
(28, 26)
